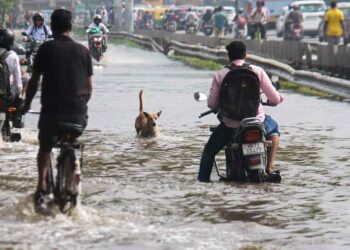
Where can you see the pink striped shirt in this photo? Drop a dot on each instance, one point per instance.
(265, 85)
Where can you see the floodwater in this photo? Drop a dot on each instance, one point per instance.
(143, 194)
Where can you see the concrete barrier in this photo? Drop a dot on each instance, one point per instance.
(328, 84)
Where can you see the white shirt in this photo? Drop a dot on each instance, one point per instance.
(38, 33)
(15, 72)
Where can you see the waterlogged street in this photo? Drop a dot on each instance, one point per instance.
(143, 194)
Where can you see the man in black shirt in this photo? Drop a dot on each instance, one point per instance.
(66, 67)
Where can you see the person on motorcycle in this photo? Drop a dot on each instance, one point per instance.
(169, 18)
(220, 22)
(295, 17)
(38, 31)
(66, 87)
(13, 91)
(223, 133)
(191, 18)
(258, 20)
(147, 20)
(206, 18)
(240, 22)
(98, 24)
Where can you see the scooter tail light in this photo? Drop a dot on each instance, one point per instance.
(254, 161)
(1, 104)
(252, 136)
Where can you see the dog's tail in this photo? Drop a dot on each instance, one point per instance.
(141, 101)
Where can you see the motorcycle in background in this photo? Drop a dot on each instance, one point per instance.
(208, 28)
(170, 26)
(96, 40)
(11, 120)
(293, 31)
(31, 47)
(191, 26)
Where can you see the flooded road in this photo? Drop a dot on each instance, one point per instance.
(143, 194)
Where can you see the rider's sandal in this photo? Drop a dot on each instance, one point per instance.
(39, 197)
(274, 176)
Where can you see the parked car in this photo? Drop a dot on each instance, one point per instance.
(312, 12)
(345, 8)
(280, 23)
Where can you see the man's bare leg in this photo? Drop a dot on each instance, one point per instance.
(271, 153)
(43, 166)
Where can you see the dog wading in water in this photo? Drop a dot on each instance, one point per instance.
(146, 123)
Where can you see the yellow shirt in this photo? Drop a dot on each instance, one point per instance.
(334, 17)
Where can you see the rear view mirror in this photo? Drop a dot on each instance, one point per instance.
(198, 96)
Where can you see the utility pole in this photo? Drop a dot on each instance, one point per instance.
(129, 16)
(118, 18)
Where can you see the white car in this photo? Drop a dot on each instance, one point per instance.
(312, 12)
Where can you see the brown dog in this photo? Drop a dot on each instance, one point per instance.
(146, 123)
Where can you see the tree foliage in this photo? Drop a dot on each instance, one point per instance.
(5, 7)
(8, 5)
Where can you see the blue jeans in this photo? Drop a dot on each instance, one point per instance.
(219, 138)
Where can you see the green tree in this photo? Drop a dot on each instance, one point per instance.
(6, 6)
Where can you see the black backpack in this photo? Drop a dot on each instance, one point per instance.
(5, 90)
(240, 92)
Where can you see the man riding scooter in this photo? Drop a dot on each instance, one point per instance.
(10, 87)
(293, 21)
(224, 132)
(97, 24)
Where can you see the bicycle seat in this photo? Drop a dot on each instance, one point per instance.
(71, 128)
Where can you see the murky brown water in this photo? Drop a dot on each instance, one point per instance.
(143, 194)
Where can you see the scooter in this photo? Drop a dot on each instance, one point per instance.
(208, 28)
(11, 121)
(191, 26)
(293, 32)
(96, 43)
(246, 153)
(32, 47)
(170, 26)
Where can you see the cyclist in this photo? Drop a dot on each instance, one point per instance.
(221, 136)
(11, 89)
(240, 22)
(258, 20)
(66, 88)
(97, 23)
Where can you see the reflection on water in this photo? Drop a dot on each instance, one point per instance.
(143, 194)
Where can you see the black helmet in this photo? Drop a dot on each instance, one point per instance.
(7, 37)
(38, 17)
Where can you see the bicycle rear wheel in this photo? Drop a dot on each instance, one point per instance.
(66, 190)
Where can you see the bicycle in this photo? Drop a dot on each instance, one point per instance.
(66, 187)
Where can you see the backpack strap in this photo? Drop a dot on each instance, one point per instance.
(234, 66)
(45, 30)
(4, 55)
